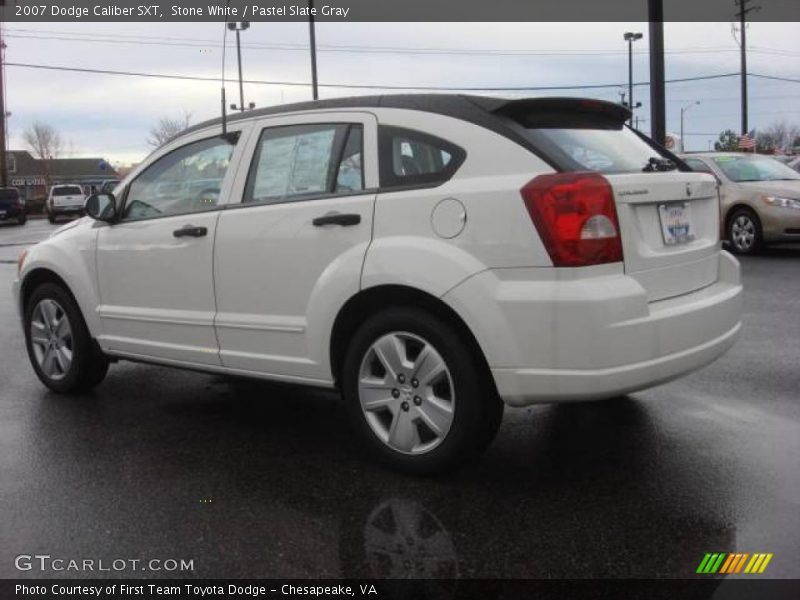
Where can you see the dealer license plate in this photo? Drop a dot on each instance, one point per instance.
(676, 223)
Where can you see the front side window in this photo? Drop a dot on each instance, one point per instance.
(299, 161)
(186, 180)
(411, 158)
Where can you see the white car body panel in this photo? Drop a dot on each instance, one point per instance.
(278, 319)
(259, 294)
(156, 291)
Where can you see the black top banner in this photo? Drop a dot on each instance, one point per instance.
(398, 10)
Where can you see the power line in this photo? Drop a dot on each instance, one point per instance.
(363, 86)
(358, 49)
(775, 77)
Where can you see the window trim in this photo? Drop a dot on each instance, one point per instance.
(390, 182)
(338, 163)
(124, 203)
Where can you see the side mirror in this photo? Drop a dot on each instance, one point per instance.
(101, 207)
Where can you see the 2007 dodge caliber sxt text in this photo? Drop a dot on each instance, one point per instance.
(433, 257)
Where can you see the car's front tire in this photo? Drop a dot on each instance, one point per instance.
(61, 350)
(744, 232)
(418, 398)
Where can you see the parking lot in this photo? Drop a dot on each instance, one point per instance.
(251, 479)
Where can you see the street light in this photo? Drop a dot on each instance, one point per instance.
(238, 27)
(683, 110)
(631, 37)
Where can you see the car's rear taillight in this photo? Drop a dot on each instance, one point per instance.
(576, 218)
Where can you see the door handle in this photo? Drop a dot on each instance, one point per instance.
(345, 220)
(190, 231)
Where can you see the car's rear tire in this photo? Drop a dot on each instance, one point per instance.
(418, 398)
(22, 219)
(62, 352)
(744, 232)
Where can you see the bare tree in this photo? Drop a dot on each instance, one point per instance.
(72, 149)
(167, 129)
(781, 135)
(43, 140)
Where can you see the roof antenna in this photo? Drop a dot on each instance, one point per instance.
(222, 79)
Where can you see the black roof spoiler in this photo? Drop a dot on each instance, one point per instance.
(511, 108)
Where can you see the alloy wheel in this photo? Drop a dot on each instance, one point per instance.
(406, 392)
(743, 233)
(51, 338)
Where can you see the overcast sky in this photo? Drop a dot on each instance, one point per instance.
(109, 115)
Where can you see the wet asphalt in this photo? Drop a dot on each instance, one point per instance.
(252, 479)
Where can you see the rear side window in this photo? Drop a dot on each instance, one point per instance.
(299, 161)
(9, 194)
(413, 158)
(67, 190)
(586, 142)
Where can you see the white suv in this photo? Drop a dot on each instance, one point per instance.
(67, 199)
(432, 257)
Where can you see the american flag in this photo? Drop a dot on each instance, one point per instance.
(747, 142)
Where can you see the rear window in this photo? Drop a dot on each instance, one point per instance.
(8, 194)
(67, 190)
(585, 142)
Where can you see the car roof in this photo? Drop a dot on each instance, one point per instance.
(485, 111)
(462, 106)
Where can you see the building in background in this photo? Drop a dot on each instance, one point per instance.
(32, 176)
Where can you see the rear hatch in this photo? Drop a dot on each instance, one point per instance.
(9, 201)
(8, 198)
(68, 197)
(669, 223)
(668, 218)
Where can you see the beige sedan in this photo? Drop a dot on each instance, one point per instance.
(759, 198)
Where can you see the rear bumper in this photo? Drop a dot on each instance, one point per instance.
(66, 210)
(597, 337)
(11, 212)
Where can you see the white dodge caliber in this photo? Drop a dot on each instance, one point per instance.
(431, 256)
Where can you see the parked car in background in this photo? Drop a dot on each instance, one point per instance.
(64, 200)
(430, 256)
(759, 198)
(795, 163)
(12, 205)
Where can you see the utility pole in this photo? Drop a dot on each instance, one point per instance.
(238, 27)
(313, 43)
(631, 37)
(742, 14)
(658, 120)
(683, 110)
(3, 159)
